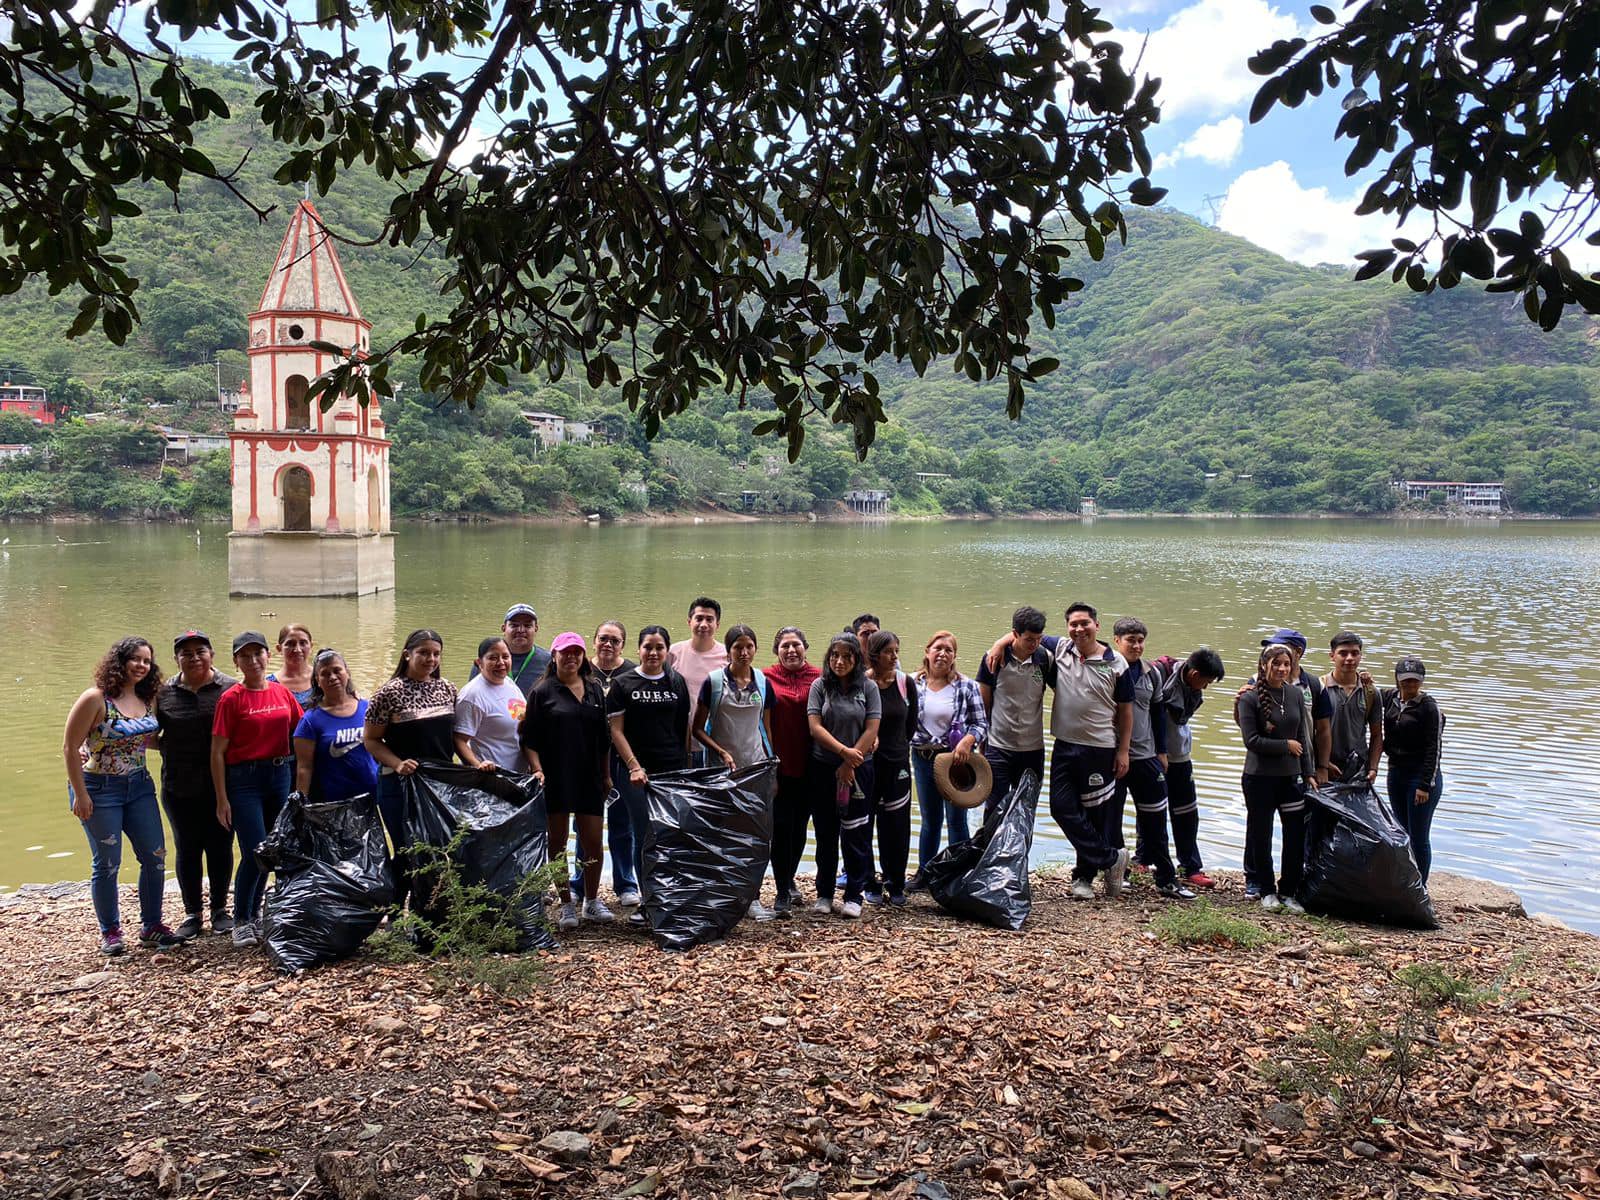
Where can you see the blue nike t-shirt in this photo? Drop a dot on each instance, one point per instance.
(343, 767)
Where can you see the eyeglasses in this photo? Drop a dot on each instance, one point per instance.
(605, 640)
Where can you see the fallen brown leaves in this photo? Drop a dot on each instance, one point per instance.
(904, 1056)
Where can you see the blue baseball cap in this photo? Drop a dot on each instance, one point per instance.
(1288, 637)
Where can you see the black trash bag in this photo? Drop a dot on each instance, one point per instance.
(1358, 860)
(705, 850)
(987, 878)
(334, 881)
(507, 839)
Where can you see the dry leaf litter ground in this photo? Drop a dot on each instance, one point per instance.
(909, 1054)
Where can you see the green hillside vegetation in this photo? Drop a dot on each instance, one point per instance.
(1199, 373)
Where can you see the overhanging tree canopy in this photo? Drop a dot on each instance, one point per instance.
(1477, 107)
(685, 195)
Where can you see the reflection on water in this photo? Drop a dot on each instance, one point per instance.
(1499, 611)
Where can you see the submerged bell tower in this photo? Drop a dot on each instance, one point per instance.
(310, 484)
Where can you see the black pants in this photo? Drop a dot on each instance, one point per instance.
(836, 826)
(1265, 795)
(1183, 806)
(204, 848)
(1081, 781)
(1008, 766)
(1148, 785)
(891, 805)
(791, 810)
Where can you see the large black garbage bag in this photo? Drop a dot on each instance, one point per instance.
(705, 851)
(334, 881)
(1358, 860)
(506, 838)
(987, 878)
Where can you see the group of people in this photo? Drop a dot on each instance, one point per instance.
(852, 740)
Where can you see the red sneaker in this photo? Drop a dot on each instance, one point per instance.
(1201, 880)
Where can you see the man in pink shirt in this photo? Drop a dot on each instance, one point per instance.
(696, 658)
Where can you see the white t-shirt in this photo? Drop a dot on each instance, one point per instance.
(694, 666)
(936, 710)
(489, 714)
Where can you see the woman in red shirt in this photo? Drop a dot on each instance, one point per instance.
(790, 678)
(252, 769)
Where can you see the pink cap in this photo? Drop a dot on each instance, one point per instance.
(567, 641)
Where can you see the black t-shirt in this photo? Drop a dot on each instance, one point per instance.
(570, 736)
(898, 724)
(655, 718)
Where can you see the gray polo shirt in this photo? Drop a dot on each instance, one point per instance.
(1087, 694)
(1016, 717)
(1146, 686)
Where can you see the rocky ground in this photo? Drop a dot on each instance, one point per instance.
(906, 1055)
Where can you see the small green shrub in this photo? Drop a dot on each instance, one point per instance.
(1203, 924)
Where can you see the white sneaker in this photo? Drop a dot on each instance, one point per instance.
(760, 911)
(1290, 904)
(244, 934)
(568, 918)
(1271, 903)
(850, 910)
(596, 910)
(823, 907)
(1082, 889)
(629, 898)
(1116, 873)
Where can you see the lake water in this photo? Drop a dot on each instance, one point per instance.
(1502, 612)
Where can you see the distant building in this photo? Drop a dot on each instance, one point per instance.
(9, 450)
(1087, 507)
(552, 429)
(1485, 498)
(871, 502)
(27, 400)
(181, 443)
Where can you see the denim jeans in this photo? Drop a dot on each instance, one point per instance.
(636, 804)
(936, 812)
(1416, 819)
(256, 792)
(124, 804)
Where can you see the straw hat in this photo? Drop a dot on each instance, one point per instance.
(965, 786)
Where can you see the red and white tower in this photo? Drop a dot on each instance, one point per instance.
(310, 483)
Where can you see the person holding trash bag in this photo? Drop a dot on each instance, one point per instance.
(111, 792)
(331, 763)
(185, 709)
(844, 711)
(411, 719)
(733, 717)
(252, 757)
(489, 712)
(648, 708)
(1413, 737)
(891, 766)
(790, 678)
(606, 665)
(950, 717)
(1278, 766)
(567, 743)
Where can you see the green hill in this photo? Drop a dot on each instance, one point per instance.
(1199, 372)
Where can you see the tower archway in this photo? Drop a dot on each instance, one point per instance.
(296, 405)
(296, 485)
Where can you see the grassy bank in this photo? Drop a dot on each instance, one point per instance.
(1110, 1050)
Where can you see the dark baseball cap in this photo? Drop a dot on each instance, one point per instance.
(250, 638)
(1410, 668)
(1287, 637)
(189, 635)
(1345, 638)
(519, 610)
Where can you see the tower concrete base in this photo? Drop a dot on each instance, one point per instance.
(310, 564)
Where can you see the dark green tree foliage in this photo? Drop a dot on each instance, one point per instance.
(1473, 109)
(685, 197)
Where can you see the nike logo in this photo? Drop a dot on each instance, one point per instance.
(340, 751)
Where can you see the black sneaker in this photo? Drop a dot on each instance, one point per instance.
(159, 937)
(917, 883)
(189, 928)
(221, 921)
(638, 919)
(1175, 891)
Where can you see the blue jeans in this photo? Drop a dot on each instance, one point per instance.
(256, 792)
(1416, 819)
(637, 807)
(936, 811)
(124, 804)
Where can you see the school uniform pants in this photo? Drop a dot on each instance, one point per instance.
(838, 826)
(1264, 797)
(1183, 807)
(1008, 766)
(1147, 783)
(891, 805)
(1082, 779)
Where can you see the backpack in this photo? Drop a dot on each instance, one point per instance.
(717, 679)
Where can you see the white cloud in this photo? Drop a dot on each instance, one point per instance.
(1270, 207)
(1200, 54)
(1218, 143)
